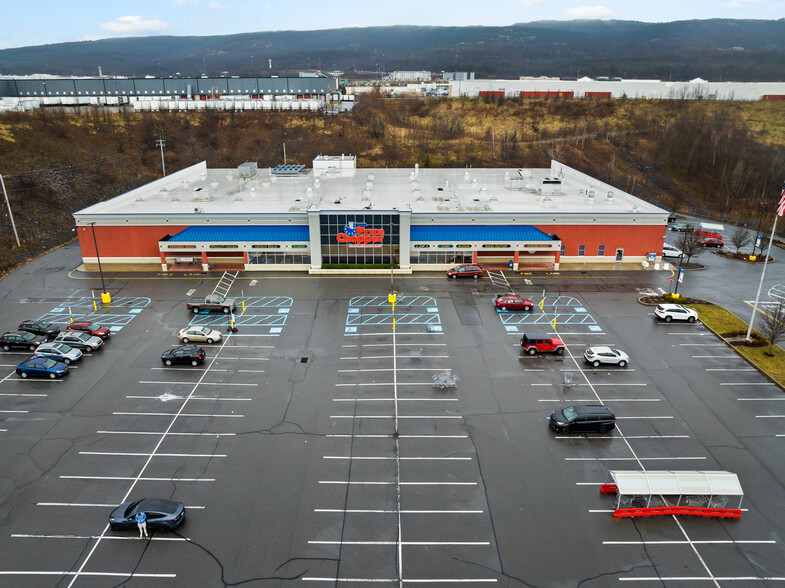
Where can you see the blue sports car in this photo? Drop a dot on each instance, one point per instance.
(42, 367)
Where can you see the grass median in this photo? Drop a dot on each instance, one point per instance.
(722, 321)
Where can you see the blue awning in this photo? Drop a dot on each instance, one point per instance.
(274, 233)
(477, 233)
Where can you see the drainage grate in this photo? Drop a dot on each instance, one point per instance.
(303, 360)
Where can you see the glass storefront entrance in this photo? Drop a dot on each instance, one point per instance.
(361, 238)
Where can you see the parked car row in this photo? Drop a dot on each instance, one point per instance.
(51, 359)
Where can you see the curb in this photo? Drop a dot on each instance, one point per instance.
(744, 357)
(771, 259)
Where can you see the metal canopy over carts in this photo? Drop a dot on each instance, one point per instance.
(715, 494)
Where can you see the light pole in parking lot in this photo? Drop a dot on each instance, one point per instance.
(780, 212)
(105, 296)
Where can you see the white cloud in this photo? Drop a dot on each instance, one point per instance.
(217, 6)
(529, 3)
(134, 25)
(589, 12)
(736, 4)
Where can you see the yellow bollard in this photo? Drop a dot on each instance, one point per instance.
(72, 320)
(243, 305)
(106, 298)
(95, 308)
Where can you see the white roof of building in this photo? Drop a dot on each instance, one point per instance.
(426, 191)
(667, 482)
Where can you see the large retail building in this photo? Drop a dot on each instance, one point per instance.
(311, 219)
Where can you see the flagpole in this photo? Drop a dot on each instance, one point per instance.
(765, 263)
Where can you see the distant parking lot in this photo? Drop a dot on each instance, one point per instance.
(312, 447)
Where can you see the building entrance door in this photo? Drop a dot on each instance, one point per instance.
(619, 254)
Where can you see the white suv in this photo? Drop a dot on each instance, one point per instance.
(669, 312)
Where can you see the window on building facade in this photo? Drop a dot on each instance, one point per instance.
(581, 250)
(268, 258)
(418, 256)
(601, 250)
(563, 248)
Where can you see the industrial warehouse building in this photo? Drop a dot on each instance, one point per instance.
(294, 218)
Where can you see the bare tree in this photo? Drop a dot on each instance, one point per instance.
(772, 325)
(690, 245)
(740, 238)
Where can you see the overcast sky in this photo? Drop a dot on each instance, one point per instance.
(39, 22)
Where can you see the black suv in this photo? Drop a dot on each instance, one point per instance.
(40, 328)
(583, 419)
(20, 339)
(192, 354)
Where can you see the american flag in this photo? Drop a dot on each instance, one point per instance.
(781, 205)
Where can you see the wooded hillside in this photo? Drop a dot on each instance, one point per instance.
(719, 158)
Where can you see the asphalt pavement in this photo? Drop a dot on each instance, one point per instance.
(312, 447)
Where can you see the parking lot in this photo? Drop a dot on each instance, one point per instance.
(312, 447)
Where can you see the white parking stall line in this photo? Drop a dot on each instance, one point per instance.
(398, 333)
(565, 437)
(130, 574)
(386, 416)
(393, 400)
(706, 542)
(702, 344)
(778, 399)
(716, 357)
(604, 400)
(618, 418)
(35, 380)
(228, 357)
(392, 483)
(714, 579)
(398, 344)
(747, 384)
(333, 580)
(183, 369)
(141, 479)
(194, 383)
(435, 369)
(741, 369)
(534, 369)
(599, 370)
(429, 384)
(169, 434)
(382, 458)
(14, 411)
(369, 436)
(770, 416)
(344, 542)
(129, 454)
(632, 458)
(98, 505)
(248, 346)
(390, 357)
(173, 397)
(393, 511)
(25, 395)
(182, 414)
(115, 537)
(695, 333)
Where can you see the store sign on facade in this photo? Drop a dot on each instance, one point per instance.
(359, 235)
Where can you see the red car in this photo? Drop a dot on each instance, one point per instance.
(465, 271)
(512, 302)
(533, 343)
(93, 328)
(712, 242)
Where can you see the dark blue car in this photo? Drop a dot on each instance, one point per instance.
(42, 367)
(162, 514)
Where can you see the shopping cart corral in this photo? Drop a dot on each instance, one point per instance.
(714, 494)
